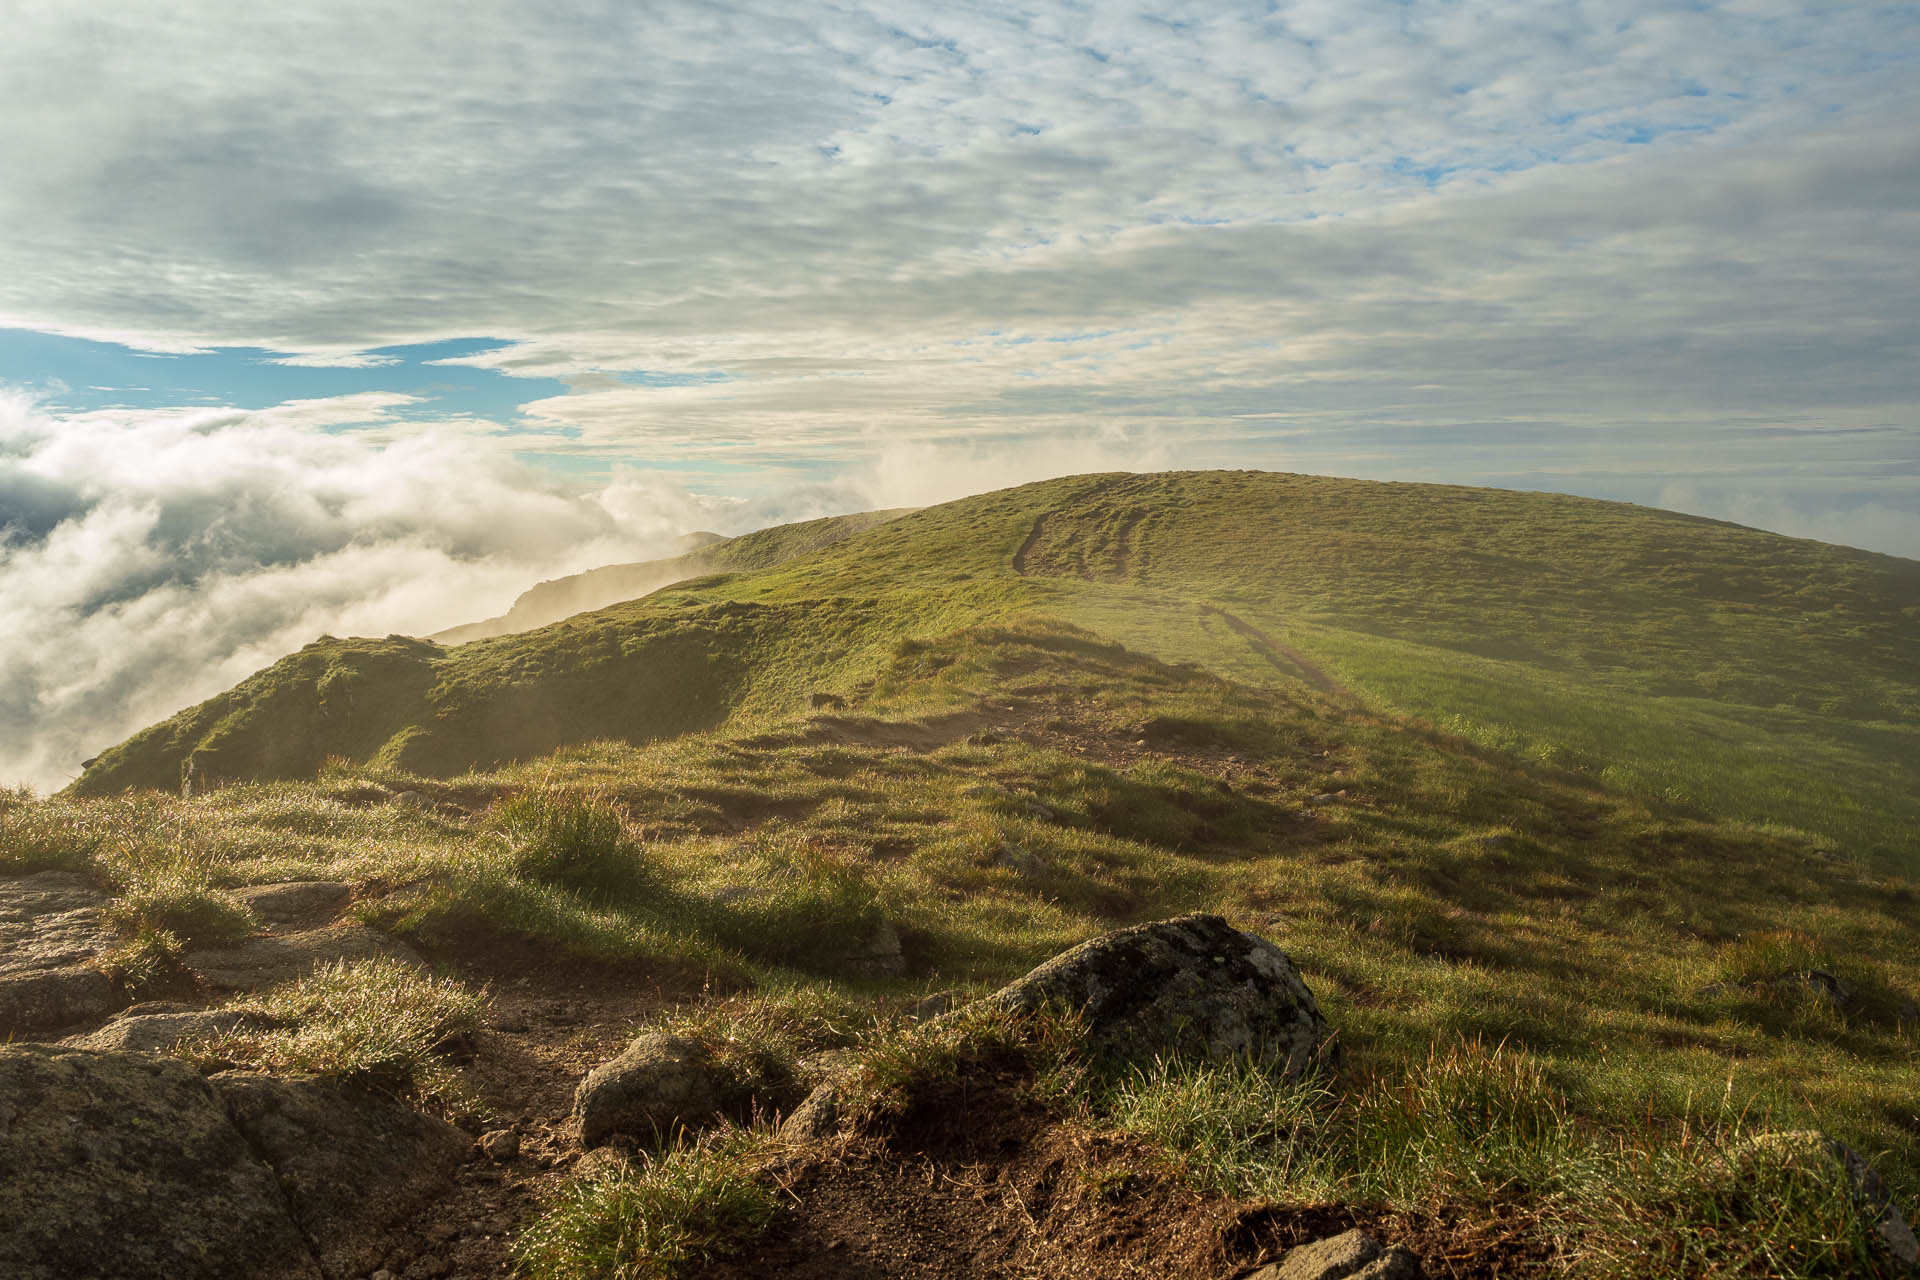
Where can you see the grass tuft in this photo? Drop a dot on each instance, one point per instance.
(379, 1024)
(655, 1219)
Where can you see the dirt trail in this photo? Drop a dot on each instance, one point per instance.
(1283, 657)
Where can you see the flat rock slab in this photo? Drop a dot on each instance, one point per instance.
(51, 921)
(40, 1000)
(351, 1165)
(266, 962)
(160, 1032)
(296, 901)
(126, 1166)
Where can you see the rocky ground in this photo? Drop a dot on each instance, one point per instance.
(124, 1161)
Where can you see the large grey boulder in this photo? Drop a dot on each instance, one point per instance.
(1194, 984)
(51, 926)
(350, 1164)
(126, 1167)
(660, 1083)
(266, 962)
(130, 1166)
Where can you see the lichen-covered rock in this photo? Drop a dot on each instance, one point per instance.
(660, 1083)
(1354, 1255)
(50, 928)
(159, 1032)
(816, 1119)
(266, 962)
(350, 1164)
(41, 999)
(1194, 984)
(49, 921)
(127, 1166)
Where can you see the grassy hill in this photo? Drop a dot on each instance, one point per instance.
(1591, 827)
(1750, 675)
(701, 553)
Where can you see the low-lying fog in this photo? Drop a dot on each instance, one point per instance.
(149, 560)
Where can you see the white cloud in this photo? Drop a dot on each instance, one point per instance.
(150, 561)
(340, 360)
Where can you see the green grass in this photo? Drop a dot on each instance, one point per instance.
(378, 1024)
(652, 1220)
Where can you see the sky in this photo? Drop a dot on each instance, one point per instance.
(361, 318)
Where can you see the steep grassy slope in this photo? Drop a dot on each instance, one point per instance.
(1753, 675)
(702, 553)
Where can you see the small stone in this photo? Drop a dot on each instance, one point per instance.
(815, 1119)
(880, 955)
(1353, 1255)
(658, 1085)
(1325, 797)
(600, 1162)
(935, 1005)
(501, 1145)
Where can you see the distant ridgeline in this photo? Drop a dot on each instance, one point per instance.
(1744, 673)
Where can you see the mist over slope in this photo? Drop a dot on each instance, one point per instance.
(699, 553)
(151, 558)
(1761, 676)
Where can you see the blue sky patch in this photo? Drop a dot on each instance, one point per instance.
(77, 375)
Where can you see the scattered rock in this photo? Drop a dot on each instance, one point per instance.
(1191, 984)
(51, 927)
(296, 901)
(1352, 1256)
(265, 962)
(500, 1146)
(658, 1084)
(160, 1032)
(127, 1165)
(816, 1119)
(601, 1162)
(936, 1005)
(1818, 983)
(879, 956)
(1018, 860)
(40, 999)
(1891, 1232)
(350, 1164)
(49, 921)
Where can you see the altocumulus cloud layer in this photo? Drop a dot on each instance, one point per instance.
(1618, 247)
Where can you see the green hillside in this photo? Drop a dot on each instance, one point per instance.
(1747, 674)
(702, 553)
(1591, 828)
